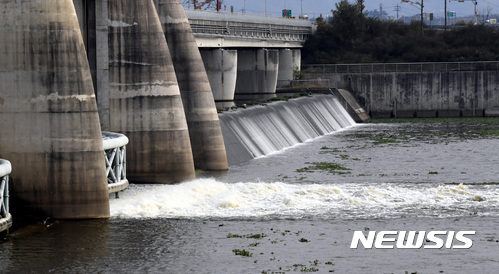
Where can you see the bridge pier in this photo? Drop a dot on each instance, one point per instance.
(289, 61)
(48, 113)
(221, 67)
(257, 71)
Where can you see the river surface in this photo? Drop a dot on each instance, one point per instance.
(295, 211)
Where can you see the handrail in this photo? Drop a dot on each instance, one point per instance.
(115, 155)
(5, 217)
(402, 67)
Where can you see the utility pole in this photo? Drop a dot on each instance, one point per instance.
(397, 9)
(380, 11)
(445, 11)
(422, 18)
(301, 8)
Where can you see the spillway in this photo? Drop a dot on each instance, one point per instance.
(261, 130)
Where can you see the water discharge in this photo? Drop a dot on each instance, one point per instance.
(209, 198)
(261, 130)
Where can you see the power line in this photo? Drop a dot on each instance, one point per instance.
(397, 9)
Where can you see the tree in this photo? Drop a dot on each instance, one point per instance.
(202, 5)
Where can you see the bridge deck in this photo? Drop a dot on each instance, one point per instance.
(225, 29)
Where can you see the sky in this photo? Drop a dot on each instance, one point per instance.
(314, 8)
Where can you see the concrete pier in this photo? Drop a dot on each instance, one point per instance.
(289, 62)
(257, 71)
(48, 113)
(204, 128)
(143, 96)
(221, 67)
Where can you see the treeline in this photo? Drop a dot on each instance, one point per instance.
(351, 37)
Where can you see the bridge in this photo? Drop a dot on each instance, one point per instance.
(72, 69)
(245, 53)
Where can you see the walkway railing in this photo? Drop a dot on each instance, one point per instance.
(115, 155)
(401, 67)
(5, 217)
(314, 83)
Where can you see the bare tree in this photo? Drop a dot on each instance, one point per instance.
(201, 5)
(484, 15)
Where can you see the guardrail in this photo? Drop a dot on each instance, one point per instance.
(5, 217)
(401, 67)
(314, 83)
(248, 26)
(115, 155)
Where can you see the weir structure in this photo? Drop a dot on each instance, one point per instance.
(48, 112)
(204, 128)
(138, 93)
(71, 68)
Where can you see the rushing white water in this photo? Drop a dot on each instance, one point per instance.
(261, 130)
(211, 198)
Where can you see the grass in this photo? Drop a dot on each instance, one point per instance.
(324, 166)
(472, 120)
(243, 252)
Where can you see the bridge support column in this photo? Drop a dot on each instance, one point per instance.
(221, 67)
(289, 61)
(207, 142)
(257, 71)
(48, 113)
(142, 97)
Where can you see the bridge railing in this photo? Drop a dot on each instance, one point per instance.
(115, 155)
(401, 67)
(313, 83)
(5, 217)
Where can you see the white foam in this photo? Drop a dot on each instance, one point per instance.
(211, 198)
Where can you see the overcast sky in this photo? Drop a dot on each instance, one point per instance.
(316, 7)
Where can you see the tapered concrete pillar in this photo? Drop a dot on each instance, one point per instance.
(257, 71)
(221, 67)
(204, 128)
(48, 114)
(289, 62)
(143, 95)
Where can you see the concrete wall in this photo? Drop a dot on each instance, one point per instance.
(49, 125)
(419, 89)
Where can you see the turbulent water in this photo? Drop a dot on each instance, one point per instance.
(208, 198)
(295, 210)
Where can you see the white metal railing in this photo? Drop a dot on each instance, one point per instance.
(5, 217)
(115, 155)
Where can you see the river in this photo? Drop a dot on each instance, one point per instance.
(295, 211)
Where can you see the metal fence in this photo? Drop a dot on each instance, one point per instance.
(314, 83)
(5, 217)
(248, 26)
(115, 155)
(401, 67)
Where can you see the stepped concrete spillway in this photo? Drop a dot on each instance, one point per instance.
(48, 113)
(144, 99)
(261, 130)
(204, 128)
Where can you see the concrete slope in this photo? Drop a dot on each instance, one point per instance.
(206, 136)
(49, 125)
